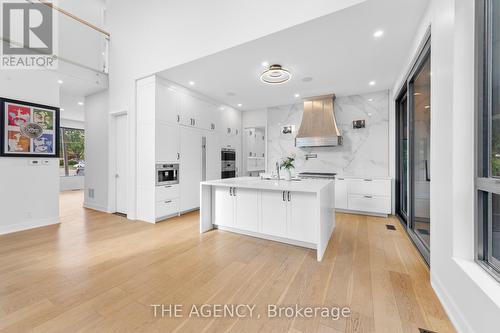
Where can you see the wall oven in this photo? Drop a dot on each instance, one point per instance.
(167, 174)
(228, 163)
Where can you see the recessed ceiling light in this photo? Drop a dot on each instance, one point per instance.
(191, 83)
(265, 64)
(221, 108)
(370, 99)
(378, 33)
(297, 95)
(240, 105)
(372, 83)
(230, 94)
(275, 75)
(61, 109)
(80, 103)
(307, 79)
(60, 81)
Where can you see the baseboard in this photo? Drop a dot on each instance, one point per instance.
(28, 225)
(451, 309)
(96, 207)
(357, 212)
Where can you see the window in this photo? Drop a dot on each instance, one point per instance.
(72, 161)
(488, 130)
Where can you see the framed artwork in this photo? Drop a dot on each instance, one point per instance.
(28, 130)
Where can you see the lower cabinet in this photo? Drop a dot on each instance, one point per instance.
(276, 213)
(246, 209)
(224, 207)
(300, 212)
(370, 196)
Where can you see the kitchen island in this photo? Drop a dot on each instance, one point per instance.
(298, 212)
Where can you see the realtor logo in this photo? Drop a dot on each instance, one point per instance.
(28, 35)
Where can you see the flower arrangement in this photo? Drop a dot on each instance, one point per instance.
(287, 164)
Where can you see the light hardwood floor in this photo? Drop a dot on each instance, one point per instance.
(97, 272)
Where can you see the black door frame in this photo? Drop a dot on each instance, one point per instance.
(407, 92)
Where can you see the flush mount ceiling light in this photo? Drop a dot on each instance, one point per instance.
(275, 75)
(378, 33)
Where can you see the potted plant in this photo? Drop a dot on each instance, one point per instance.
(287, 164)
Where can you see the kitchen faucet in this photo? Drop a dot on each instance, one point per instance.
(278, 169)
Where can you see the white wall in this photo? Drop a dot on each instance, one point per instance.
(29, 195)
(96, 150)
(470, 296)
(168, 33)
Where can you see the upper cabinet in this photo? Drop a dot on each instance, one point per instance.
(168, 108)
(231, 122)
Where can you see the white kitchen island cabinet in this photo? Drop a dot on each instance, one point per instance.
(294, 212)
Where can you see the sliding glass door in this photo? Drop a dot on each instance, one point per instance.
(413, 114)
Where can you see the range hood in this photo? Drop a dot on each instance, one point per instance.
(318, 127)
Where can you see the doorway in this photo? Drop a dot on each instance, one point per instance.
(413, 124)
(121, 163)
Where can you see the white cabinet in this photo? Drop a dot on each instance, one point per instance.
(213, 158)
(190, 168)
(237, 207)
(167, 142)
(224, 207)
(300, 210)
(246, 209)
(167, 208)
(167, 201)
(370, 196)
(168, 106)
(340, 193)
(285, 214)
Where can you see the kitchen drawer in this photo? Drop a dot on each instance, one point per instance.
(165, 192)
(376, 187)
(369, 204)
(167, 207)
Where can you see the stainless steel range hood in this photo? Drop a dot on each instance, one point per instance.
(318, 127)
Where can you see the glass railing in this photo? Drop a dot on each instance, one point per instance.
(81, 43)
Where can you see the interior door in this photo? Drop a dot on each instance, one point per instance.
(121, 164)
(190, 168)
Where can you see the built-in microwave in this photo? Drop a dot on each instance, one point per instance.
(167, 174)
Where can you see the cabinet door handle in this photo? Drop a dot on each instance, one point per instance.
(194, 122)
(284, 196)
(368, 196)
(288, 195)
(178, 118)
(231, 191)
(234, 191)
(368, 180)
(178, 156)
(168, 186)
(168, 201)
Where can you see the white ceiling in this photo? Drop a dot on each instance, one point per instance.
(338, 51)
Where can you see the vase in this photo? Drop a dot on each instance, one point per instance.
(288, 174)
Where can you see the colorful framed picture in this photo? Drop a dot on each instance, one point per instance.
(28, 129)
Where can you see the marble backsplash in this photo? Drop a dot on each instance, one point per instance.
(364, 153)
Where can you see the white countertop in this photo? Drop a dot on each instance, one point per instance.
(304, 185)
